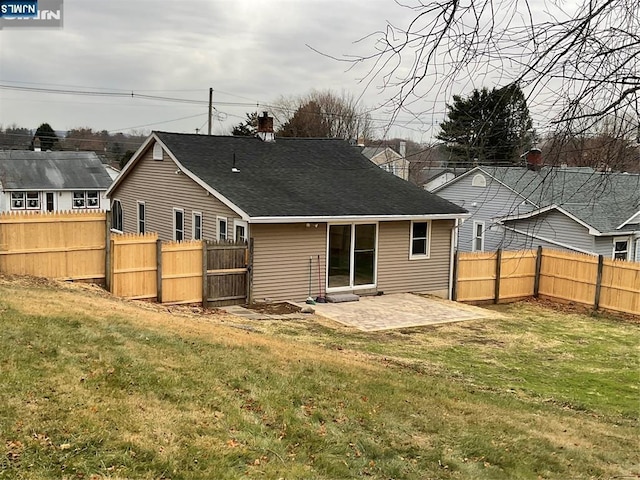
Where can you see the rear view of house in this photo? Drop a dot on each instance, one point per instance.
(311, 208)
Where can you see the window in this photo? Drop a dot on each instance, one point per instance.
(197, 226)
(389, 167)
(478, 237)
(32, 200)
(420, 239)
(17, 200)
(638, 250)
(93, 200)
(116, 216)
(222, 229)
(240, 230)
(88, 199)
(178, 224)
(78, 199)
(141, 217)
(620, 249)
(157, 151)
(479, 181)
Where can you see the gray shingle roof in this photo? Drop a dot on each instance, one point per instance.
(602, 200)
(27, 170)
(298, 177)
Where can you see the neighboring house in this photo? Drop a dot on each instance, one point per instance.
(32, 181)
(389, 160)
(315, 210)
(113, 172)
(575, 209)
(438, 176)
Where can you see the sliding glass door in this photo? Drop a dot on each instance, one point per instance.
(352, 255)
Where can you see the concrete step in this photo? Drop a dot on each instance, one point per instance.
(342, 297)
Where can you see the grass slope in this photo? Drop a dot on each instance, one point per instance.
(94, 387)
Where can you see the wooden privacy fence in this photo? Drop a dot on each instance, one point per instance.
(226, 273)
(557, 275)
(179, 272)
(65, 245)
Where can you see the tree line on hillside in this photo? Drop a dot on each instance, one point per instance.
(487, 127)
(116, 149)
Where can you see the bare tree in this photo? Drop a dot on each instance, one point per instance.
(579, 63)
(323, 114)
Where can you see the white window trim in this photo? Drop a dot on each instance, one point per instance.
(637, 252)
(242, 223)
(26, 201)
(138, 204)
(193, 225)
(113, 229)
(226, 233)
(474, 237)
(351, 285)
(157, 151)
(420, 256)
(481, 180)
(621, 239)
(23, 200)
(175, 210)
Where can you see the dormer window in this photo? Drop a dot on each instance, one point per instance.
(157, 151)
(479, 180)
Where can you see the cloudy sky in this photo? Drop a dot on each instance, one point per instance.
(249, 51)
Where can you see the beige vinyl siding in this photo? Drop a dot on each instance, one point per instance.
(157, 185)
(281, 260)
(397, 274)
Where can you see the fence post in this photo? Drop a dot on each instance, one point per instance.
(496, 297)
(536, 280)
(454, 287)
(596, 302)
(205, 286)
(107, 252)
(159, 270)
(250, 273)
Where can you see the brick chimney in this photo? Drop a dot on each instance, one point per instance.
(534, 159)
(265, 128)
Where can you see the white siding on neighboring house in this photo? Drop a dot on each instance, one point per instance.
(485, 204)
(62, 200)
(439, 181)
(152, 180)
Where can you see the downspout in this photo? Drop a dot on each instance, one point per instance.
(454, 244)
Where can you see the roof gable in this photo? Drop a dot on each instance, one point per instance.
(27, 170)
(297, 177)
(603, 201)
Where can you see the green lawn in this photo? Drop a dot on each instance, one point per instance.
(102, 388)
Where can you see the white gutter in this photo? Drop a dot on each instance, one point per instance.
(357, 218)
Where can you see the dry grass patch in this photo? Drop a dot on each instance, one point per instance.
(94, 386)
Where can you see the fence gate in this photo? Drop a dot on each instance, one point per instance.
(227, 274)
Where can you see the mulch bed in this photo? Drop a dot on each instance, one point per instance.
(279, 308)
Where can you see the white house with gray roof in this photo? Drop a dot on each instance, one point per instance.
(575, 209)
(36, 181)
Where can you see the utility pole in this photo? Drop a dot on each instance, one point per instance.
(210, 110)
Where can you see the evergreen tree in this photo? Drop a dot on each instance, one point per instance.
(488, 127)
(248, 128)
(47, 136)
(307, 121)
